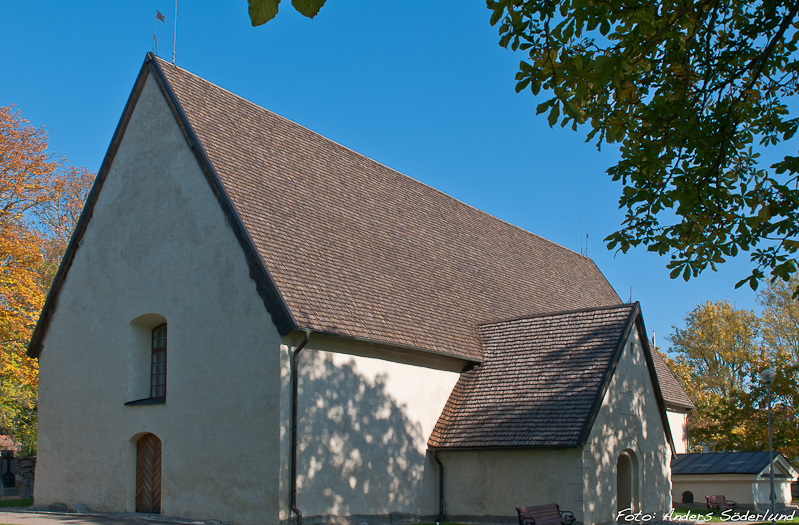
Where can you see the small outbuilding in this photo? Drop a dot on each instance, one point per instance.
(740, 476)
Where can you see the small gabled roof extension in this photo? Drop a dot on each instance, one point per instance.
(542, 382)
(341, 244)
(673, 394)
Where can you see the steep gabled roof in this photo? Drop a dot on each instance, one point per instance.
(341, 244)
(542, 382)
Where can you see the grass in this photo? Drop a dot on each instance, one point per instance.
(16, 502)
(716, 516)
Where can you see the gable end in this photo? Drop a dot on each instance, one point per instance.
(265, 285)
(635, 320)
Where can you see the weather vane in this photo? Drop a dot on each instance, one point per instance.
(160, 16)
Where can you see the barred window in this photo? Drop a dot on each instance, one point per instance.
(158, 366)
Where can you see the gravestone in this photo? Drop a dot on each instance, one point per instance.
(9, 480)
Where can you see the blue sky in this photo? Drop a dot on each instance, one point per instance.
(422, 87)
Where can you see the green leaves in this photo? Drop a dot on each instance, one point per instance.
(692, 93)
(308, 8)
(262, 11)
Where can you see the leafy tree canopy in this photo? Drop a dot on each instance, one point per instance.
(781, 317)
(719, 344)
(262, 11)
(693, 91)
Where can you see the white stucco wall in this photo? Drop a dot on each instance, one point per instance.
(365, 415)
(761, 492)
(737, 488)
(628, 420)
(678, 422)
(484, 485)
(743, 489)
(158, 243)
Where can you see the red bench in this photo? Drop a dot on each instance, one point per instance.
(719, 503)
(549, 514)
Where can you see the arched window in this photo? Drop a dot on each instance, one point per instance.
(158, 363)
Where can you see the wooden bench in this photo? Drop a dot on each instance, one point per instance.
(549, 514)
(719, 503)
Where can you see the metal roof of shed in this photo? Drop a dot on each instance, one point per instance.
(721, 463)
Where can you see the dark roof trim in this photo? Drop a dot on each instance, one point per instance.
(265, 285)
(635, 320)
(505, 447)
(37, 338)
(653, 375)
(614, 361)
(553, 314)
(407, 349)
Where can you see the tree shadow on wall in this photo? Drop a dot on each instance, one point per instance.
(358, 453)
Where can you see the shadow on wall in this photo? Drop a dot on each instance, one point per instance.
(358, 452)
(629, 427)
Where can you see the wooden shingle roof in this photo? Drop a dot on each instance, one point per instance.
(357, 249)
(673, 394)
(541, 382)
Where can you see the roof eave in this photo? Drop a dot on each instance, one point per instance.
(267, 288)
(396, 347)
(504, 447)
(653, 375)
(783, 462)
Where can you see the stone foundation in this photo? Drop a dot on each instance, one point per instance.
(25, 473)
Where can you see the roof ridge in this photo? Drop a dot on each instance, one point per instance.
(281, 117)
(556, 313)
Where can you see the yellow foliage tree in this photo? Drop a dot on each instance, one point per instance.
(40, 200)
(719, 355)
(719, 344)
(781, 317)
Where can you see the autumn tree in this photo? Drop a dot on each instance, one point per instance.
(717, 358)
(40, 200)
(58, 216)
(781, 317)
(719, 344)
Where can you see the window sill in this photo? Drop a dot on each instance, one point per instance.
(147, 401)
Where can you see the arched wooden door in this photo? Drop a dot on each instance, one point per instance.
(148, 474)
